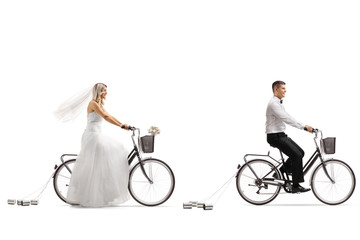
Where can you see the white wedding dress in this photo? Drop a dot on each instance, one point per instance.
(101, 172)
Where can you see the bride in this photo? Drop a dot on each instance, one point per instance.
(101, 172)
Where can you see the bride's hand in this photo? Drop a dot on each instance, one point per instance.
(126, 127)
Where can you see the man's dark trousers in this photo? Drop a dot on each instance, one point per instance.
(293, 151)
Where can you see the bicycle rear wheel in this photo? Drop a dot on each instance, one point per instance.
(336, 192)
(256, 189)
(62, 179)
(161, 188)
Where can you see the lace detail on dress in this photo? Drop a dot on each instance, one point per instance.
(94, 122)
(94, 117)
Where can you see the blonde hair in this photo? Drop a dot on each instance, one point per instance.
(96, 93)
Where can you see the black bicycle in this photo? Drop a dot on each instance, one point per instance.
(333, 182)
(151, 181)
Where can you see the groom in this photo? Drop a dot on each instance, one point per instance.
(276, 118)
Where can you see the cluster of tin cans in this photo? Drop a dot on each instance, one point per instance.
(22, 202)
(195, 204)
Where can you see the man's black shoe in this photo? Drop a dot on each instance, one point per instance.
(299, 189)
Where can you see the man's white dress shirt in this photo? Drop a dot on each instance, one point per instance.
(276, 117)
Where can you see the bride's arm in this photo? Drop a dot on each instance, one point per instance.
(118, 123)
(116, 119)
(96, 107)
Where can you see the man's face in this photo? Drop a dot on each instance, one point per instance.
(280, 91)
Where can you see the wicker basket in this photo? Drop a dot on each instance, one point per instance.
(328, 145)
(147, 143)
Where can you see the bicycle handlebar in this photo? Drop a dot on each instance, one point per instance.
(316, 131)
(129, 128)
(134, 129)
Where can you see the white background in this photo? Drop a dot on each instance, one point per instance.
(202, 72)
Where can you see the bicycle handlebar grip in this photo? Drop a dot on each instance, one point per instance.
(314, 130)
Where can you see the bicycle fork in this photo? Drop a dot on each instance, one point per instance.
(134, 153)
(149, 178)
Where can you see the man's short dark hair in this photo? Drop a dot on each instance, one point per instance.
(277, 84)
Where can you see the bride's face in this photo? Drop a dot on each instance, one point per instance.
(104, 93)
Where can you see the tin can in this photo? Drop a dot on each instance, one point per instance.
(187, 205)
(208, 207)
(25, 203)
(193, 203)
(200, 205)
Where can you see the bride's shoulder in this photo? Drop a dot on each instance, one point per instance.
(92, 102)
(92, 105)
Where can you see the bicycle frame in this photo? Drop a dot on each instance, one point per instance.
(317, 154)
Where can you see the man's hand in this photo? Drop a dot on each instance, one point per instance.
(308, 128)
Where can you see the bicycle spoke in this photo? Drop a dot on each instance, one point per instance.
(140, 181)
(64, 176)
(150, 172)
(245, 175)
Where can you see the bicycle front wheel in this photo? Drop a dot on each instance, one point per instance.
(337, 191)
(255, 183)
(158, 189)
(62, 179)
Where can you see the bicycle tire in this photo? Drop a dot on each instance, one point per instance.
(138, 184)
(324, 189)
(245, 178)
(61, 179)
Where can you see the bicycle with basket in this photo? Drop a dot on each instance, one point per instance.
(332, 181)
(151, 181)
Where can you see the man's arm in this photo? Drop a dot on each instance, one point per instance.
(280, 113)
